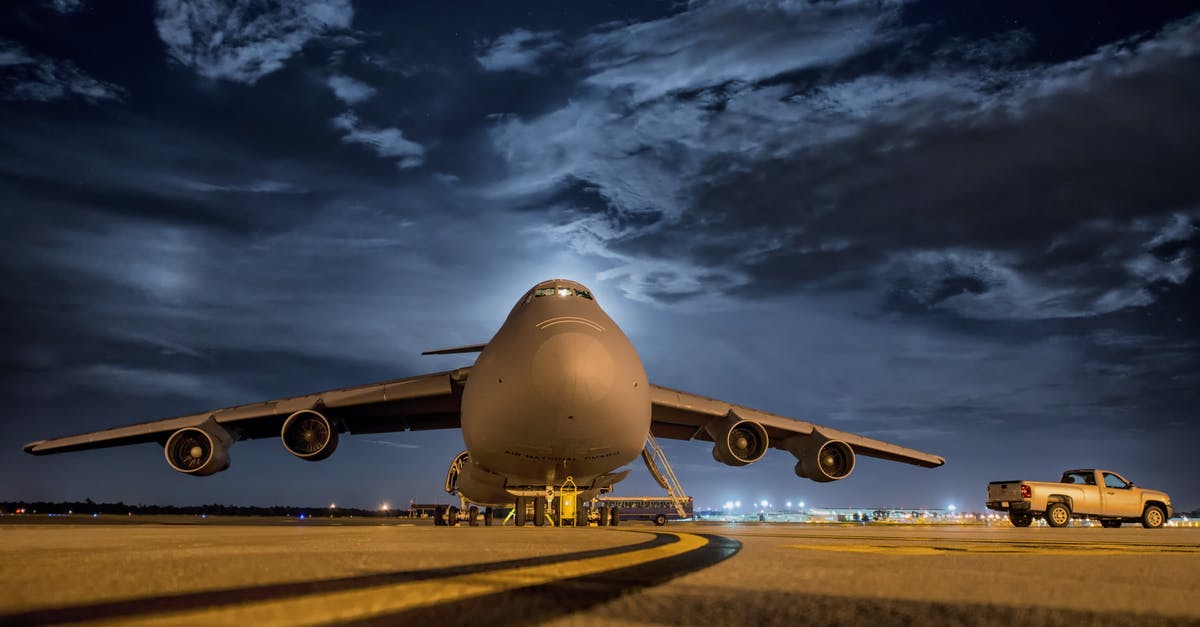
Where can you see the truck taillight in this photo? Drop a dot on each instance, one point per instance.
(1026, 492)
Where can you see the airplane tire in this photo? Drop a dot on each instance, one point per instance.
(439, 516)
(520, 511)
(487, 517)
(1058, 515)
(1020, 519)
(539, 511)
(660, 520)
(472, 514)
(580, 513)
(452, 516)
(615, 515)
(603, 522)
(1153, 517)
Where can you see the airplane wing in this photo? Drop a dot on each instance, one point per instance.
(684, 416)
(429, 401)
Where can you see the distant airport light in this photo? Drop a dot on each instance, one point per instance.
(728, 504)
(952, 507)
(764, 503)
(737, 504)
(384, 507)
(789, 505)
(801, 504)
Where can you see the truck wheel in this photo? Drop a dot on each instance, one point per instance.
(1058, 515)
(660, 520)
(1153, 517)
(1019, 519)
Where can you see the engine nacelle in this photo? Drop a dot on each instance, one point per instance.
(820, 458)
(309, 435)
(199, 451)
(738, 442)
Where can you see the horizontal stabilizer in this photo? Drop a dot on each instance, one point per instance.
(470, 348)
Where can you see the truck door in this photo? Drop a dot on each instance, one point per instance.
(1120, 499)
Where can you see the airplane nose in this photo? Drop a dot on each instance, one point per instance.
(573, 370)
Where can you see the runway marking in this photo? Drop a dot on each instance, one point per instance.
(552, 584)
(995, 549)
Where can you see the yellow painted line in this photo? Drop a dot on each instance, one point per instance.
(899, 549)
(388, 599)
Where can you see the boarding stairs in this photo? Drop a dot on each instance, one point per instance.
(660, 469)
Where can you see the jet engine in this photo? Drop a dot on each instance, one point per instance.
(738, 442)
(199, 451)
(820, 458)
(309, 435)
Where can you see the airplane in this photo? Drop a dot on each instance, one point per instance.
(558, 392)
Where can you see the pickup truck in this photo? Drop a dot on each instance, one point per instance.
(1083, 493)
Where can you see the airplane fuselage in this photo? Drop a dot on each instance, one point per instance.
(558, 392)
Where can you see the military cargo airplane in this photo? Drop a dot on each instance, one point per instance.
(558, 392)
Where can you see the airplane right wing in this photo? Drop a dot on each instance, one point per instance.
(743, 434)
(308, 424)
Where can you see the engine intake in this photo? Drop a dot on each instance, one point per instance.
(738, 442)
(199, 451)
(820, 458)
(309, 435)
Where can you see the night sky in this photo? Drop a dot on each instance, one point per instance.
(967, 228)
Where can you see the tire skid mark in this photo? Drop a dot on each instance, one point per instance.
(208, 599)
(562, 597)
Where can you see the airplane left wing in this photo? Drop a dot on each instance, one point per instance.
(742, 435)
(425, 402)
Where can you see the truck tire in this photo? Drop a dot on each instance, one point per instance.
(1110, 524)
(660, 520)
(1058, 515)
(1020, 519)
(1153, 517)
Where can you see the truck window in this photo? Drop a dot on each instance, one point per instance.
(1113, 481)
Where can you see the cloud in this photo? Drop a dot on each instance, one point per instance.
(243, 41)
(698, 162)
(65, 7)
(349, 90)
(31, 77)
(255, 186)
(387, 142)
(519, 51)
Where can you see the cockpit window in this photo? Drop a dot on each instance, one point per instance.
(561, 291)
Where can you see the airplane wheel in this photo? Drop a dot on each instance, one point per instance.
(439, 516)
(1020, 519)
(472, 513)
(1057, 515)
(487, 517)
(603, 522)
(539, 511)
(520, 509)
(660, 520)
(615, 516)
(1153, 517)
(452, 516)
(580, 513)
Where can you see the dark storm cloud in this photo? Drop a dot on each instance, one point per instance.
(25, 75)
(969, 183)
(519, 51)
(244, 40)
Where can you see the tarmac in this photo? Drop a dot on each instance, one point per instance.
(165, 571)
